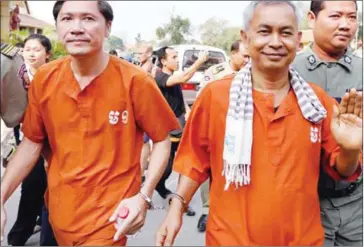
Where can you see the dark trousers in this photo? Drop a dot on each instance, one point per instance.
(17, 134)
(30, 205)
(161, 186)
(46, 235)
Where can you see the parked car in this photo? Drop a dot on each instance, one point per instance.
(187, 55)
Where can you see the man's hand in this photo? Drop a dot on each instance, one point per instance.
(3, 221)
(135, 220)
(203, 56)
(171, 225)
(347, 121)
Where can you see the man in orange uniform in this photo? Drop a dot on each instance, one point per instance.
(262, 135)
(93, 108)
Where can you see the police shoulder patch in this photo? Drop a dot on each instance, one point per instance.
(347, 59)
(9, 50)
(311, 59)
(218, 69)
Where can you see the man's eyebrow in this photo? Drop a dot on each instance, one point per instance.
(341, 12)
(287, 27)
(77, 13)
(264, 26)
(269, 26)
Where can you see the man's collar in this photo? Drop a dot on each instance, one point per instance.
(313, 61)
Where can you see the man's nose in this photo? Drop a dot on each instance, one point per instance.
(344, 24)
(77, 27)
(275, 41)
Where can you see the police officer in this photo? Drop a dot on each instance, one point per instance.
(330, 63)
(238, 59)
(15, 102)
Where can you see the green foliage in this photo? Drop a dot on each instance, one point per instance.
(175, 32)
(215, 32)
(113, 42)
(58, 50)
(18, 36)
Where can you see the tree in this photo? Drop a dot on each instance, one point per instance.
(215, 33)
(304, 7)
(229, 36)
(175, 32)
(212, 30)
(18, 36)
(113, 42)
(58, 50)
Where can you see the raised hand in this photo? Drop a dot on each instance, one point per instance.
(347, 121)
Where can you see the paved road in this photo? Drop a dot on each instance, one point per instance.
(188, 235)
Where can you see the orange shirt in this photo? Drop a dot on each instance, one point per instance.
(281, 206)
(96, 137)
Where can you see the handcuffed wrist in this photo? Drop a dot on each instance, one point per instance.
(180, 199)
(147, 199)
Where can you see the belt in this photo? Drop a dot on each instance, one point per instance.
(340, 193)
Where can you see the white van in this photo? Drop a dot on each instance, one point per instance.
(187, 55)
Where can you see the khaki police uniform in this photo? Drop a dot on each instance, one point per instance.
(13, 94)
(213, 73)
(341, 202)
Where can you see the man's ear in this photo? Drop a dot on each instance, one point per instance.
(311, 19)
(163, 62)
(244, 38)
(108, 29)
(299, 37)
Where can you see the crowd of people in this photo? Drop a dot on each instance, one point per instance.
(273, 140)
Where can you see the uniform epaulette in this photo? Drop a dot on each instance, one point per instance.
(218, 69)
(9, 50)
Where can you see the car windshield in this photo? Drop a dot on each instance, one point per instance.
(190, 57)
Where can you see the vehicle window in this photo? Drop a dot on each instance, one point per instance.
(190, 57)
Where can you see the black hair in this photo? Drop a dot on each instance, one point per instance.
(235, 47)
(162, 54)
(103, 6)
(113, 52)
(19, 45)
(318, 5)
(46, 43)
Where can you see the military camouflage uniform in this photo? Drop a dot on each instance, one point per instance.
(341, 202)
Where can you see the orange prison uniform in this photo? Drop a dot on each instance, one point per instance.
(96, 136)
(281, 205)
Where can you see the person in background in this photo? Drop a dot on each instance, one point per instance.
(169, 82)
(359, 49)
(113, 52)
(19, 45)
(239, 57)
(330, 63)
(144, 58)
